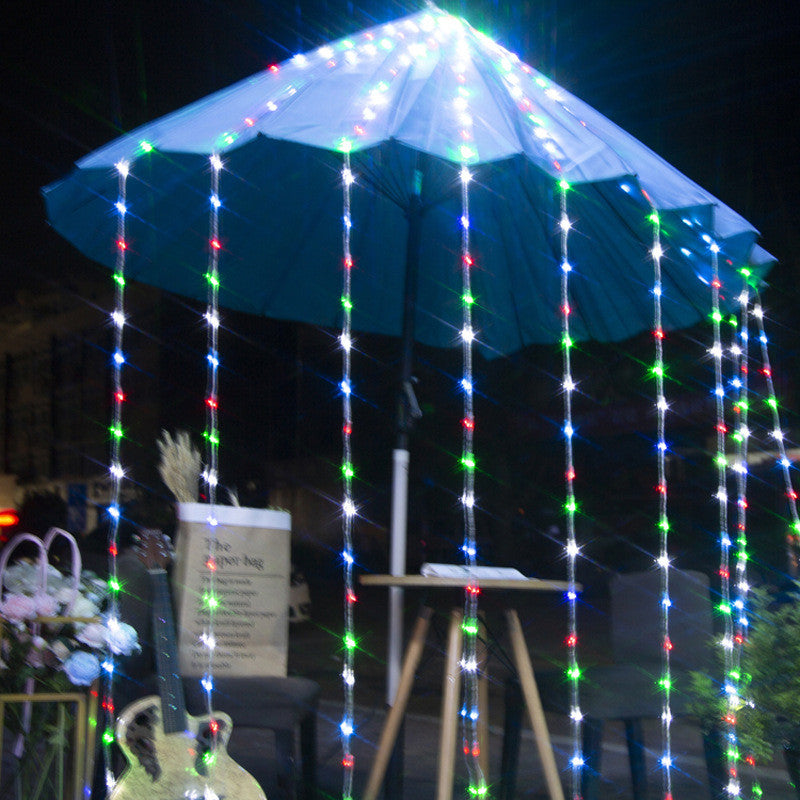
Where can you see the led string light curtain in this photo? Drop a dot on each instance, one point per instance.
(663, 560)
(348, 506)
(777, 430)
(211, 437)
(740, 357)
(116, 471)
(496, 109)
(783, 462)
(470, 711)
(721, 462)
(570, 506)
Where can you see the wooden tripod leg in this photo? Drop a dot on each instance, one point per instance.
(534, 705)
(450, 690)
(395, 715)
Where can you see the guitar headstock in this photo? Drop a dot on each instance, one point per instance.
(154, 548)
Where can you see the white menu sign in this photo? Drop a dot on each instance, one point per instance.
(251, 582)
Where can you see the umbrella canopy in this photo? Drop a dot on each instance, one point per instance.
(411, 101)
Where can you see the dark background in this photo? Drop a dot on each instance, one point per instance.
(711, 86)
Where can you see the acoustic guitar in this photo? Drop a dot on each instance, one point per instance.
(172, 755)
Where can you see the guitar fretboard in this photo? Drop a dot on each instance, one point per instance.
(170, 688)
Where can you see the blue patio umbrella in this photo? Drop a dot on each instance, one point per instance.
(399, 97)
(396, 95)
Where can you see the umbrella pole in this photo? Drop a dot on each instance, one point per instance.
(407, 411)
(397, 566)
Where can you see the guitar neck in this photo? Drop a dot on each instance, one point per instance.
(173, 701)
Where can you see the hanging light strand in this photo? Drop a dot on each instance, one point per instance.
(777, 431)
(470, 627)
(570, 506)
(211, 436)
(663, 561)
(793, 534)
(721, 460)
(348, 506)
(116, 472)
(741, 361)
(740, 353)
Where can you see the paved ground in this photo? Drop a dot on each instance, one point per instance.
(314, 653)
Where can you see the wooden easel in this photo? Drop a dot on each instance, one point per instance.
(451, 686)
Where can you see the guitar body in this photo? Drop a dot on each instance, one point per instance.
(171, 766)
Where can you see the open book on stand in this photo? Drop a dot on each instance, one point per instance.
(462, 571)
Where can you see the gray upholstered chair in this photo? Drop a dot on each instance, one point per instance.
(628, 691)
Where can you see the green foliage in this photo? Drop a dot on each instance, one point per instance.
(769, 711)
(773, 661)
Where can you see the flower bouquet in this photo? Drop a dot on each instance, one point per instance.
(55, 631)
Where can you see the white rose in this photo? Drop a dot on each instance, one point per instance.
(46, 606)
(93, 635)
(22, 578)
(18, 608)
(64, 595)
(84, 607)
(122, 638)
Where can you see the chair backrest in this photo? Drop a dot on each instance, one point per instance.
(636, 618)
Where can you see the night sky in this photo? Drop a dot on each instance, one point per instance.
(712, 86)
